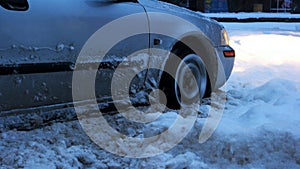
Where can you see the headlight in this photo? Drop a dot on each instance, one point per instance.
(224, 37)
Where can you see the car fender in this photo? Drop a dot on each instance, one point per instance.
(170, 30)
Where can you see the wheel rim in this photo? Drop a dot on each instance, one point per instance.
(190, 87)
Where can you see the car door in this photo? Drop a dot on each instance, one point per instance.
(39, 46)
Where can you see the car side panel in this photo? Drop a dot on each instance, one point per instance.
(53, 33)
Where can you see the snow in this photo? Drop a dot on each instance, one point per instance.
(259, 127)
(246, 15)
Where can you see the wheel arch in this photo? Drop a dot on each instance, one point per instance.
(204, 48)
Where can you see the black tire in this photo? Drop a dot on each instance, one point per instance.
(191, 92)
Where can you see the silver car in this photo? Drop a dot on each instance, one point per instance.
(40, 42)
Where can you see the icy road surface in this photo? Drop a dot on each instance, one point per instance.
(260, 127)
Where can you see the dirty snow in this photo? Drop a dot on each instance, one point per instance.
(259, 127)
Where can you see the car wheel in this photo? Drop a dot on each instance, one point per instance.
(185, 87)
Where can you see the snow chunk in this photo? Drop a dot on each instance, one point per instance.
(186, 160)
(272, 91)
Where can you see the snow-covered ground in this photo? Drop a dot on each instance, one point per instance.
(247, 15)
(259, 128)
